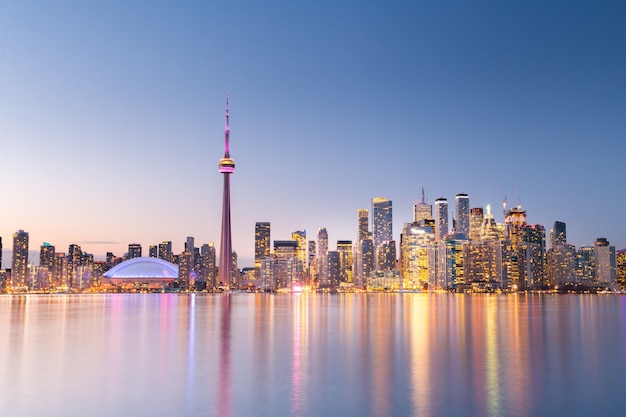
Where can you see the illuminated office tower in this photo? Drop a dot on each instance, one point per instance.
(534, 246)
(19, 265)
(561, 264)
(62, 270)
(190, 244)
(74, 257)
(332, 277)
(266, 280)
(558, 235)
(386, 256)
(441, 218)
(312, 269)
(261, 244)
(382, 221)
(462, 215)
(344, 249)
(153, 251)
(208, 268)
(363, 262)
(47, 260)
(288, 268)
(476, 223)
(620, 258)
(363, 225)
(134, 250)
(300, 237)
(226, 167)
(165, 251)
(606, 263)
(322, 259)
(483, 264)
(422, 211)
(414, 243)
(585, 265)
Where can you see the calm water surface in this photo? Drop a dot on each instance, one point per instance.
(312, 355)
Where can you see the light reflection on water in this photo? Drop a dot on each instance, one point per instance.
(312, 355)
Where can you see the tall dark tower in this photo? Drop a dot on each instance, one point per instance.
(226, 167)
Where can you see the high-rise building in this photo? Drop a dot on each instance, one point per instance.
(322, 259)
(414, 243)
(332, 277)
(491, 230)
(363, 262)
(312, 270)
(441, 218)
(344, 249)
(620, 257)
(46, 255)
(606, 262)
(363, 225)
(515, 220)
(288, 269)
(462, 215)
(262, 244)
(534, 237)
(585, 265)
(558, 235)
(165, 251)
(300, 237)
(226, 167)
(476, 222)
(382, 221)
(134, 250)
(208, 269)
(561, 265)
(153, 251)
(483, 264)
(19, 265)
(386, 256)
(190, 244)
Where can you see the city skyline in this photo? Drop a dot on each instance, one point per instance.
(111, 137)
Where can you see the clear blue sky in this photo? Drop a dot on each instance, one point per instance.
(112, 115)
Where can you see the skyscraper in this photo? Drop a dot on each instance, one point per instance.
(476, 222)
(261, 245)
(322, 258)
(165, 251)
(558, 235)
(605, 262)
(19, 267)
(134, 250)
(226, 167)
(462, 215)
(300, 237)
(382, 221)
(363, 225)
(441, 218)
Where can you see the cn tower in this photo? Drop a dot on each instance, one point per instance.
(226, 167)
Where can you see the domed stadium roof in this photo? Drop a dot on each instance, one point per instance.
(144, 268)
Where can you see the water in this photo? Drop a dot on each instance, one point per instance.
(312, 355)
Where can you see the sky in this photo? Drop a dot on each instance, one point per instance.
(112, 116)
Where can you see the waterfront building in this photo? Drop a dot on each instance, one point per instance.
(148, 273)
(363, 262)
(344, 249)
(300, 237)
(288, 270)
(153, 251)
(462, 216)
(515, 220)
(585, 265)
(134, 251)
(621, 268)
(382, 221)
(267, 282)
(226, 167)
(605, 262)
(386, 256)
(19, 264)
(476, 223)
(165, 251)
(312, 267)
(47, 260)
(208, 269)
(483, 264)
(534, 247)
(322, 258)
(332, 277)
(414, 243)
(261, 244)
(441, 218)
(561, 264)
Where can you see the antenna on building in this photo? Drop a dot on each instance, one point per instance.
(423, 196)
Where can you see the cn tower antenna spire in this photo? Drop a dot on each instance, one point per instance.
(227, 133)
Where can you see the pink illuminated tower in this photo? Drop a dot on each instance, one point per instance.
(227, 167)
